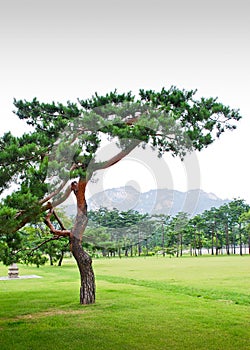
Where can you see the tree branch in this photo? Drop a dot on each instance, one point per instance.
(116, 158)
(25, 218)
(61, 233)
(54, 193)
(63, 198)
(59, 220)
(31, 250)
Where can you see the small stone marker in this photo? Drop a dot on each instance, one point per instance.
(13, 271)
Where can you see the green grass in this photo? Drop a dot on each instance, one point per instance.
(142, 303)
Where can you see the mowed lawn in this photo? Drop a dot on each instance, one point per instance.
(142, 303)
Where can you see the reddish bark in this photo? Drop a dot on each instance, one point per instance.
(84, 261)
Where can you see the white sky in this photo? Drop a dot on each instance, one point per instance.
(61, 50)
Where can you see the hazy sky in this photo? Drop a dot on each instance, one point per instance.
(60, 50)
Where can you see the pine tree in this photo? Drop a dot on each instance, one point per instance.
(60, 155)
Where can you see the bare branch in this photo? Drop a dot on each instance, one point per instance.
(61, 233)
(116, 158)
(63, 198)
(31, 250)
(59, 221)
(54, 193)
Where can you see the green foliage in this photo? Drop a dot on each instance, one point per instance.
(65, 140)
(137, 233)
(7, 216)
(131, 233)
(34, 244)
(8, 246)
(111, 230)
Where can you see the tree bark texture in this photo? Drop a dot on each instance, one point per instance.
(84, 261)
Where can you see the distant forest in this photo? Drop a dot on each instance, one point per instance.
(129, 233)
(112, 233)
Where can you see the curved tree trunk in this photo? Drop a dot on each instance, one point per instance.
(84, 261)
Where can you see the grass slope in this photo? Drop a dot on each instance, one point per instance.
(142, 303)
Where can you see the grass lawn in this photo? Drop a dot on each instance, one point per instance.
(142, 303)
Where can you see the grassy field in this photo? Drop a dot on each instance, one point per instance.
(142, 303)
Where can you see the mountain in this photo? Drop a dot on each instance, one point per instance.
(158, 201)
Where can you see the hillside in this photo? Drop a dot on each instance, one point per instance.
(160, 201)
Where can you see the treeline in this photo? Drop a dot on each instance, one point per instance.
(223, 230)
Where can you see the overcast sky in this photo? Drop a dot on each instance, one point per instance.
(61, 50)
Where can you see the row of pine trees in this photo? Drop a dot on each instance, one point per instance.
(223, 230)
(110, 233)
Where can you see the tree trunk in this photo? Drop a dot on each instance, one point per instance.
(195, 243)
(217, 248)
(61, 258)
(139, 249)
(181, 244)
(51, 260)
(227, 239)
(191, 249)
(163, 240)
(240, 239)
(212, 241)
(147, 248)
(200, 244)
(84, 261)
